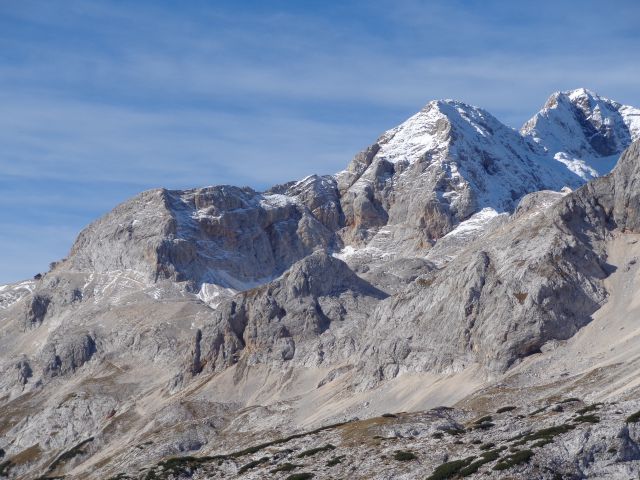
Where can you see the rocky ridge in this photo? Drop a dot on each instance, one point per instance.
(445, 260)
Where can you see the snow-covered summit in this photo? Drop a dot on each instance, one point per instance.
(450, 160)
(584, 131)
(435, 126)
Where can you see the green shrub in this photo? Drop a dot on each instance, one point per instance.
(505, 409)
(335, 461)
(454, 431)
(285, 467)
(450, 469)
(612, 450)
(544, 434)
(587, 419)
(634, 417)
(486, 457)
(492, 454)
(542, 443)
(484, 425)
(300, 476)
(252, 450)
(252, 464)
(404, 456)
(69, 454)
(181, 465)
(5, 467)
(514, 459)
(550, 431)
(487, 446)
(540, 410)
(257, 448)
(313, 451)
(437, 435)
(470, 469)
(486, 418)
(589, 408)
(570, 400)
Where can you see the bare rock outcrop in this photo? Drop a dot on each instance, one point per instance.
(35, 310)
(498, 302)
(208, 235)
(65, 355)
(296, 317)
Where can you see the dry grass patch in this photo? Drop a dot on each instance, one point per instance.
(363, 431)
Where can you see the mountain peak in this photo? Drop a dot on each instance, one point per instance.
(582, 98)
(581, 92)
(434, 128)
(583, 130)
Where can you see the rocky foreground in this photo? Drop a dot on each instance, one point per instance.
(563, 439)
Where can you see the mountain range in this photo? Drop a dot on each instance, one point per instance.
(458, 302)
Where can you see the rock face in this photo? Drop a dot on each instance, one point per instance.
(299, 317)
(65, 355)
(498, 302)
(228, 236)
(447, 261)
(436, 170)
(36, 309)
(618, 194)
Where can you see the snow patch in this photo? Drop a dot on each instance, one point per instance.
(345, 253)
(212, 294)
(413, 138)
(13, 293)
(369, 251)
(276, 200)
(576, 165)
(476, 222)
(631, 116)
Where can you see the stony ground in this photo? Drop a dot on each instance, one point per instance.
(565, 439)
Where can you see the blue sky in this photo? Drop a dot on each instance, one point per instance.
(103, 99)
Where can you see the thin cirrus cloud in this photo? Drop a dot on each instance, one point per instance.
(104, 99)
